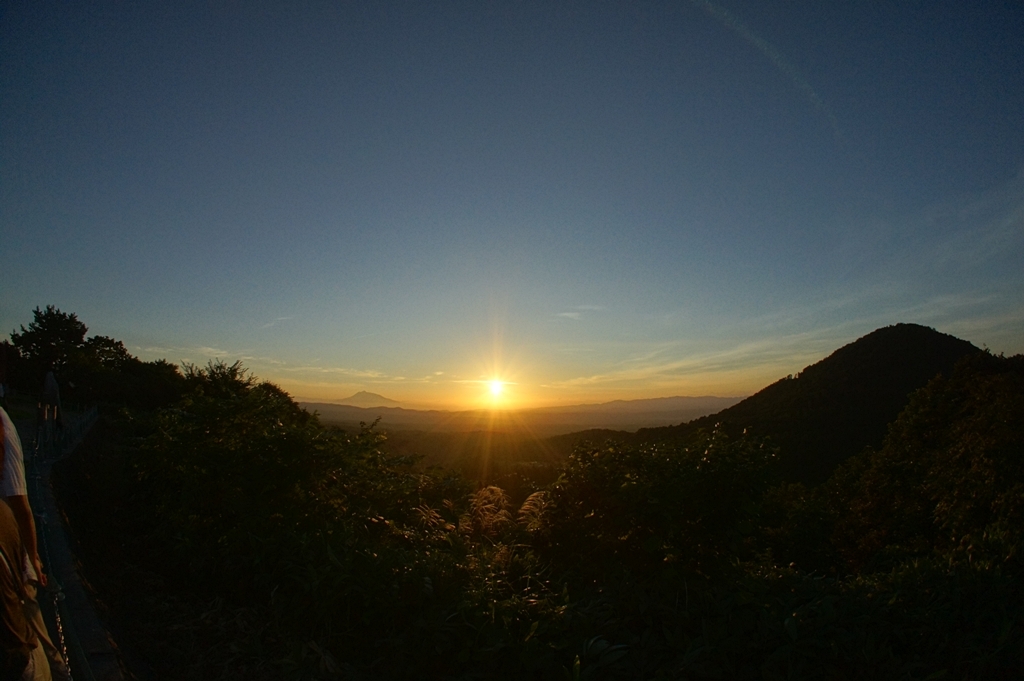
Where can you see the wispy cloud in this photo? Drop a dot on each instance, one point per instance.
(733, 23)
(768, 349)
(949, 244)
(273, 368)
(577, 312)
(201, 354)
(208, 351)
(275, 322)
(261, 359)
(672, 362)
(346, 371)
(978, 231)
(368, 376)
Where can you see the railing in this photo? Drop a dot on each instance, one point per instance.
(53, 443)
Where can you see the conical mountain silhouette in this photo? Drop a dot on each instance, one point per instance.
(836, 407)
(368, 399)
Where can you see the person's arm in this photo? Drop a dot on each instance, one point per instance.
(27, 528)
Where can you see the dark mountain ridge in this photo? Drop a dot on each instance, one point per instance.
(624, 415)
(838, 406)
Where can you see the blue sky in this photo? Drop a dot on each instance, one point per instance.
(589, 200)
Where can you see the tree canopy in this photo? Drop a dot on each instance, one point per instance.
(89, 370)
(53, 338)
(312, 553)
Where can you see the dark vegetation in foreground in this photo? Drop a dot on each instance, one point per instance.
(233, 536)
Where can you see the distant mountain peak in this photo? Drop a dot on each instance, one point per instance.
(368, 399)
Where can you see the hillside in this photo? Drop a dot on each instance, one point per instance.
(838, 406)
(233, 517)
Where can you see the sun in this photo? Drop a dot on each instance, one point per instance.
(497, 387)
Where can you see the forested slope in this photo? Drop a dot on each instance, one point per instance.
(834, 408)
(264, 545)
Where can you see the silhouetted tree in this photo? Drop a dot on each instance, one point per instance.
(108, 352)
(949, 477)
(90, 370)
(52, 339)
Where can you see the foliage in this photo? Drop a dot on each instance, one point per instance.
(90, 370)
(351, 549)
(308, 552)
(950, 477)
(52, 339)
(660, 507)
(833, 409)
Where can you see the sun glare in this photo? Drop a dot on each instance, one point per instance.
(497, 387)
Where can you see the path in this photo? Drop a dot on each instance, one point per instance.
(66, 605)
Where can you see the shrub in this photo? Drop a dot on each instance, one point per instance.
(687, 508)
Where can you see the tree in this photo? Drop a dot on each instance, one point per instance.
(90, 370)
(53, 339)
(109, 352)
(687, 508)
(950, 477)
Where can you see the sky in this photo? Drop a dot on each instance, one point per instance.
(586, 200)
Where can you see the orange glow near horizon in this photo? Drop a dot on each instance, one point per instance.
(507, 380)
(501, 392)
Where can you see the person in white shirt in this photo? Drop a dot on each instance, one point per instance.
(14, 491)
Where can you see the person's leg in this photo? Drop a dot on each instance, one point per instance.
(29, 673)
(50, 653)
(40, 669)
